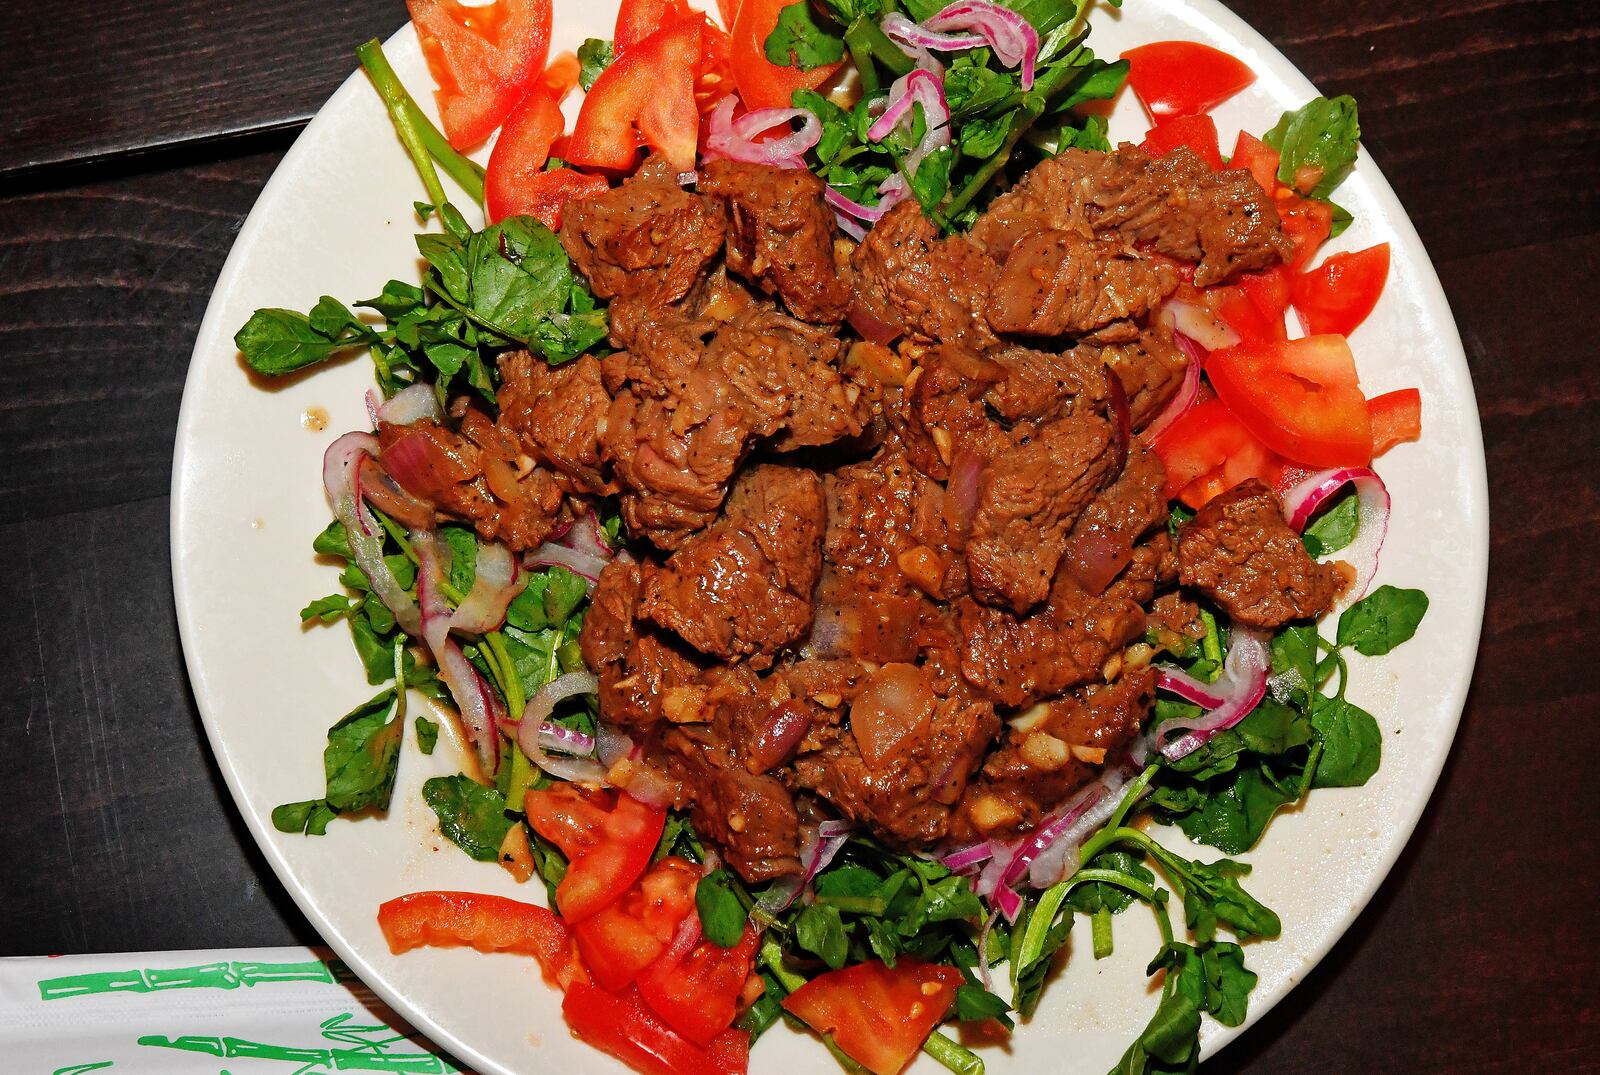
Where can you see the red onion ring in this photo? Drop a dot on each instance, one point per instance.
(983, 951)
(1239, 690)
(1013, 38)
(1047, 833)
(1199, 324)
(494, 587)
(816, 853)
(476, 703)
(780, 736)
(915, 40)
(915, 87)
(1187, 392)
(410, 405)
(1053, 864)
(341, 478)
(611, 746)
(1302, 501)
(587, 537)
(551, 554)
(567, 740)
(735, 139)
(966, 476)
(968, 857)
(530, 729)
(379, 489)
(1007, 900)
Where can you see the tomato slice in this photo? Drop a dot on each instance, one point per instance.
(697, 993)
(650, 89)
(1306, 221)
(623, 938)
(763, 84)
(482, 59)
(1199, 133)
(521, 151)
(1207, 450)
(1301, 398)
(1183, 78)
(638, 19)
(1257, 158)
(608, 848)
(627, 1029)
(1338, 295)
(879, 1016)
(486, 923)
(1396, 418)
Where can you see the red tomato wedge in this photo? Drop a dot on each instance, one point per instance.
(1199, 133)
(1301, 398)
(608, 848)
(651, 91)
(486, 923)
(1306, 222)
(627, 1029)
(1183, 78)
(1396, 418)
(623, 938)
(638, 19)
(697, 993)
(878, 1015)
(482, 59)
(520, 152)
(1207, 450)
(1257, 158)
(1338, 295)
(763, 84)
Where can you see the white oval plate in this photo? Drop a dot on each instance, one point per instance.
(247, 500)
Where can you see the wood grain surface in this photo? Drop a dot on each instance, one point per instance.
(133, 142)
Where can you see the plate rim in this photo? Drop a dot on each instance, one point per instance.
(1449, 714)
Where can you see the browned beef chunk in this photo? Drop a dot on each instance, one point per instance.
(1239, 551)
(781, 235)
(1102, 540)
(1060, 283)
(1043, 384)
(1178, 205)
(906, 758)
(1028, 499)
(648, 239)
(743, 587)
(1150, 368)
(786, 375)
(639, 667)
(475, 475)
(866, 606)
(1042, 763)
(1017, 660)
(919, 285)
(750, 816)
(940, 413)
(556, 412)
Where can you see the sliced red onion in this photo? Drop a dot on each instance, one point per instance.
(914, 88)
(341, 470)
(1176, 681)
(686, 937)
(611, 746)
(849, 212)
(479, 708)
(411, 405)
(735, 139)
(915, 40)
(1013, 38)
(1302, 502)
(374, 405)
(983, 951)
(393, 499)
(1187, 392)
(815, 855)
(567, 740)
(1044, 837)
(1199, 324)
(552, 555)
(966, 475)
(1239, 690)
(781, 734)
(587, 537)
(1056, 861)
(968, 857)
(530, 729)
(1006, 899)
(651, 788)
(1121, 419)
(493, 588)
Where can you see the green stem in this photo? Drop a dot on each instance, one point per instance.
(845, 1060)
(467, 173)
(1114, 877)
(867, 905)
(516, 702)
(522, 777)
(772, 959)
(952, 1054)
(1129, 798)
(395, 99)
(1211, 645)
(400, 676)
(860, 48)
(1100, 925)
(883, 50)
(975, 183)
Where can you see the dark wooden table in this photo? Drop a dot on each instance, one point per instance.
(133, 140)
